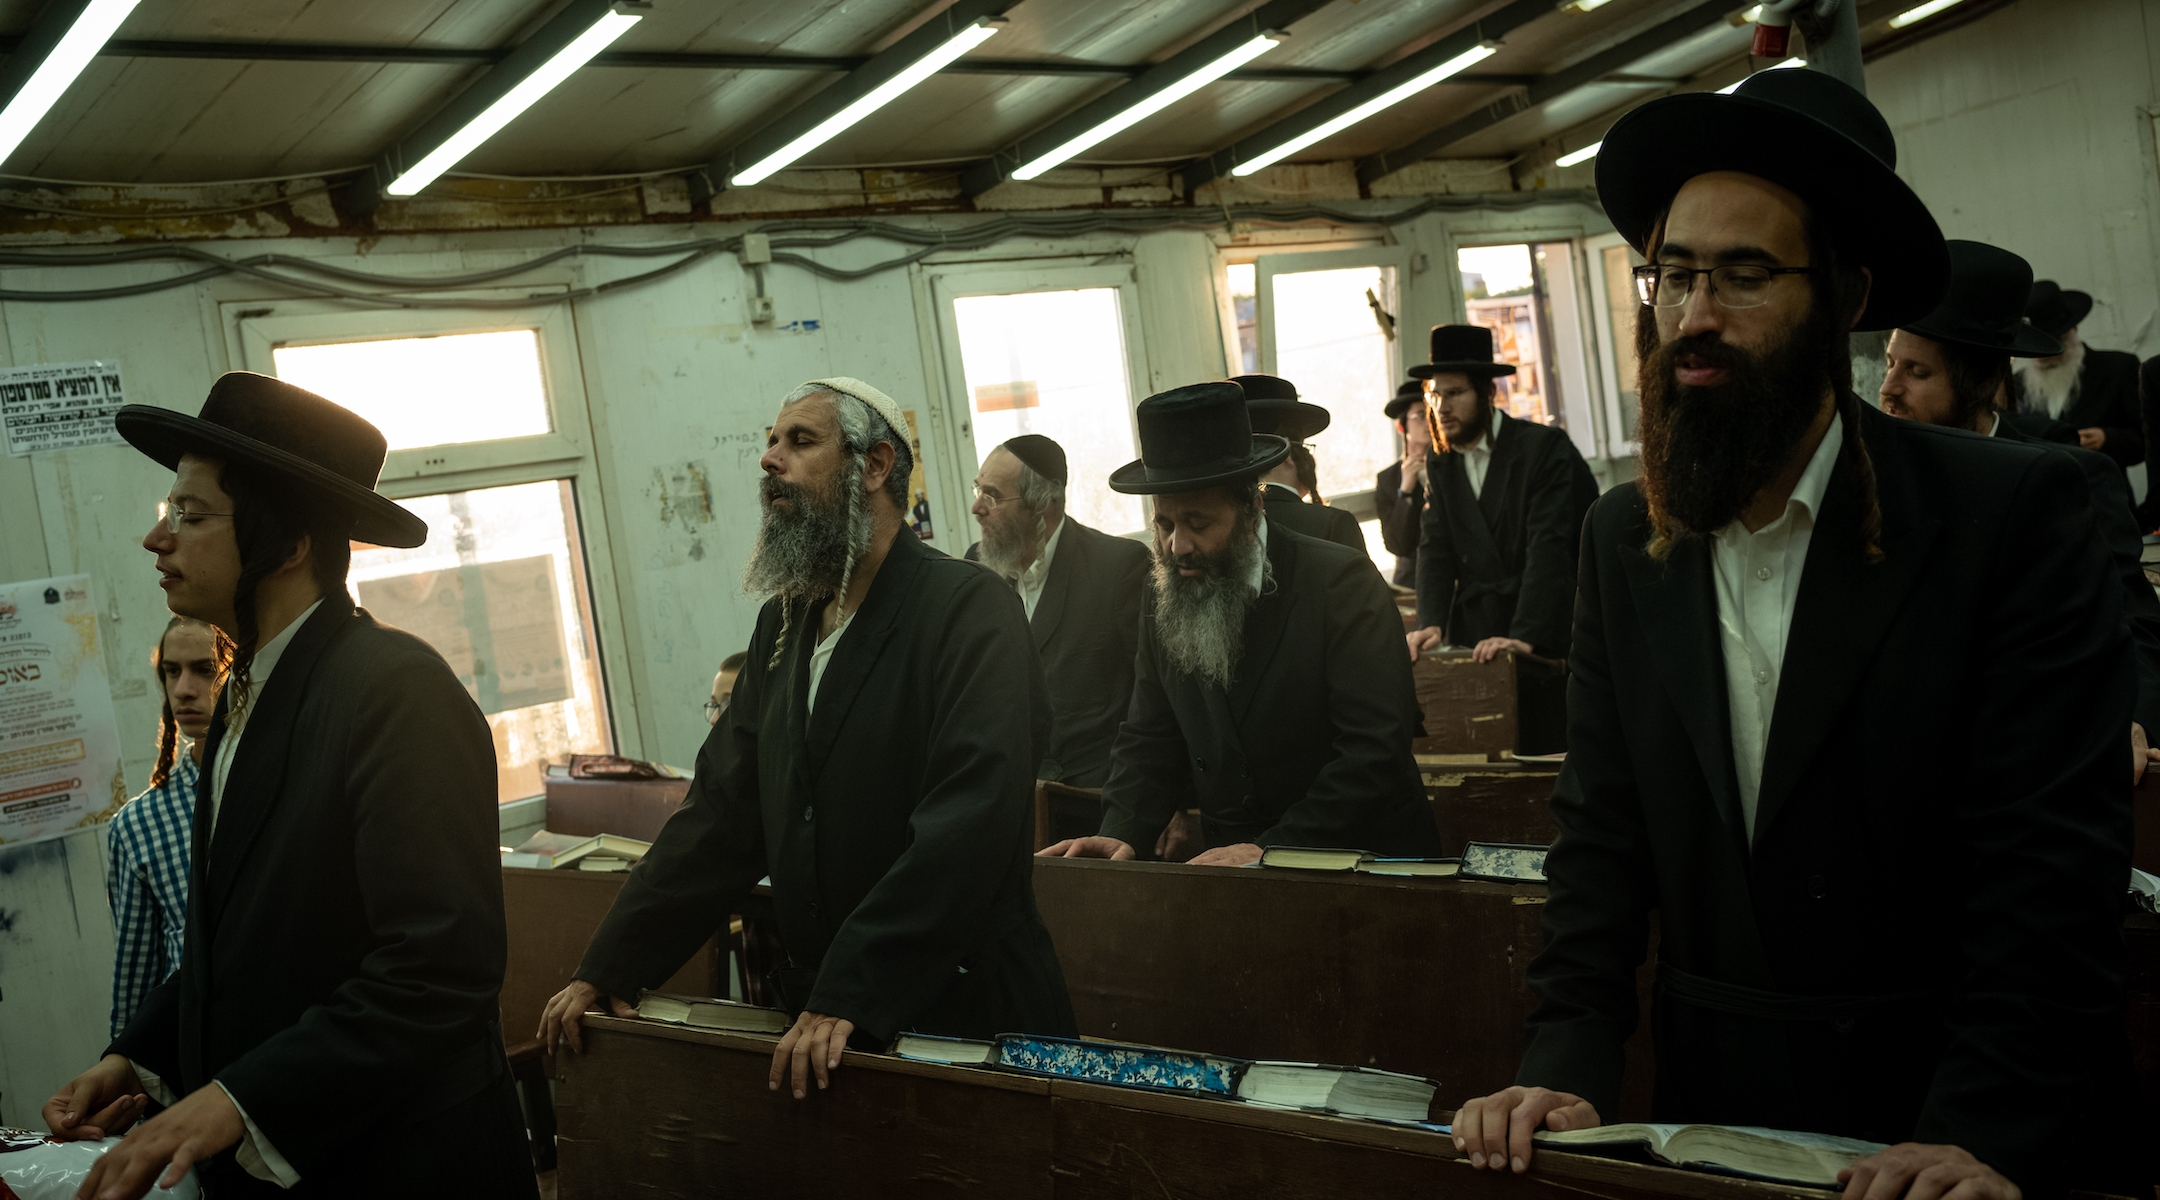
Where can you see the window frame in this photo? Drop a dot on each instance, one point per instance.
(1605, 339)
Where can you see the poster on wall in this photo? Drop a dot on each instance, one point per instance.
(60, 406)
(918, 513)
(59, 745)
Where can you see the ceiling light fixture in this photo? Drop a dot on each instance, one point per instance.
(1152, 105)
(544, 79)
(1913, 16)
(71, 51)
(1579, 156)
(1583, 6)
(885, 93)
(1787, 65)
(1388, 99)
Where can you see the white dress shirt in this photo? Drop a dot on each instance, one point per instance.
(1032, 580)
(1758, 579)
(255, 1154)
(821, 654)
(1258, 577)
(1477, 456)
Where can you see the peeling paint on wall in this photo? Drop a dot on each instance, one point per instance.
(681, 495)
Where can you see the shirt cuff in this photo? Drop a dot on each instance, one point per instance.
(153, 1085)
(255, 1154)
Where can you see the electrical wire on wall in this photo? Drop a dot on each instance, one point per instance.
(314, 278)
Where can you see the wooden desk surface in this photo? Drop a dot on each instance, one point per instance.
(667, 1111)
(549, 916)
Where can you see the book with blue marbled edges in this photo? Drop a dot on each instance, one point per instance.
(1121, 1066)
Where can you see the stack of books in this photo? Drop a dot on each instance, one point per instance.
(546, 851)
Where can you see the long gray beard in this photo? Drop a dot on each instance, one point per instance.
(2051, 389)
(809, 554)
(1201, 622)
(1010, 554)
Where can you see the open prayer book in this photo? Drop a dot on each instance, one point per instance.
(1312, 1087)
(553, 851)
(705, 1012)
(1782, 1156)
(1314, 858)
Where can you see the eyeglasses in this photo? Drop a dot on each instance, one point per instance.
(171, 515)
(1733, 286)
(989, 498)
(713, 709)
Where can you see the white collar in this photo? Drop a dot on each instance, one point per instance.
(1258, 577)
(1994, 424)
(1485, 441)
(1814, 482)
(1038, 572)
(266, 657)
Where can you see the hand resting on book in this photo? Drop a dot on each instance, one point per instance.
(1494, 1131)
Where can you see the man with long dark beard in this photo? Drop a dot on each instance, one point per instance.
(1270, 691)
(1082, 591)
(877, 760)
(1802, 641)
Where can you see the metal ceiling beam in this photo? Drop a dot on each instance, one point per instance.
(876, 71)
(1589, 71)
(1488, 28)
(366, 191)
(1275, 15)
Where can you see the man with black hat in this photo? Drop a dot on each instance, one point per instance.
(1270, 690)
(1275, 409)
(1082, 590)
(2085, 396)
(1496, 562)
(1946, 368)
(1399, 492)
(1801, 638)
(877, 762)
(345, 937)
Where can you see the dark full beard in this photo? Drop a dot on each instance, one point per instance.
(1201, 621)
(1011, 546)
(1707, 451)
(808, 551)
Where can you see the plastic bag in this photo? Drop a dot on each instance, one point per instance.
(53, 1170)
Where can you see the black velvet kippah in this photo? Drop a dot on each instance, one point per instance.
(1045, 457)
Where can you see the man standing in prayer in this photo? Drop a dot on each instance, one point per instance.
(877, 761)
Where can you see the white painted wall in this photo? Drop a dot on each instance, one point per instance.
(2032, 128)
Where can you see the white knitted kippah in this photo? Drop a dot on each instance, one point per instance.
(877, 400)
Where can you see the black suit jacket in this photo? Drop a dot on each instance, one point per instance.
(2110, 494)
(894, 817)
(1501, 562)
(345, 922)
(1905, 848)
(1310, 746)
(1402, 521)
(1312, 520)
(1086, 625)
(2107, 398)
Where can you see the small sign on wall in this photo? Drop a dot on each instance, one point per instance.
(60, 406)
(59, 745)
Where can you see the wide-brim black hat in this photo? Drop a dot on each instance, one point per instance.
(1985, 307)
(1808, 133)
(1195, 437)
(1409, 392)
(1273, 405)
(2054, 311)
(1464, 350)
(331, 455)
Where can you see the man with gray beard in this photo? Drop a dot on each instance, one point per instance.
(1081, 588)
(1270, 690)
(2082, 396)
(877, 761)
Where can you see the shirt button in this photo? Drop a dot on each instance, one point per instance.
(1762, 572)
(807, 812)
(1760, 677)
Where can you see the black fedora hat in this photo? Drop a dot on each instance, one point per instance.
(1464, 349)
(2054, 311)
(1274, 407)
(1194, 437)
(1803, 131)
(1409, 392)
(329, 453)
(1985, 309)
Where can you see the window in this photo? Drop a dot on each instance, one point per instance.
(1334, 339)
(1245, 307)
(1611, 264)
(485, 420)
(1500, 292)
(1053, 360)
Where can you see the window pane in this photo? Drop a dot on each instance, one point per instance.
(1330, 343)
(430, 391)
(1621, 306)
(1053, 363)
(499, 590)
(1244, 304)
(1500, 290)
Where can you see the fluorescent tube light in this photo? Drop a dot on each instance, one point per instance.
(877, 98)
(1787, 65)
(528, 91)
(1583, 6)
(1388, 99)
(69, 56)
(1579, 156)
(1915, 15)
(1150, 106)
